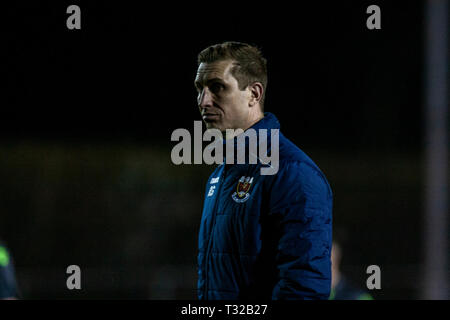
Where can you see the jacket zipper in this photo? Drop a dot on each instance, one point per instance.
(221, 180)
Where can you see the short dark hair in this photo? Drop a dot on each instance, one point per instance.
(250, 65)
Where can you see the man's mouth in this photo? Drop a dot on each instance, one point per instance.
(209, 117)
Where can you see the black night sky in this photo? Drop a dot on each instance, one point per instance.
(128, 73)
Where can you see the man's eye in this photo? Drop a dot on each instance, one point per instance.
(216, 87)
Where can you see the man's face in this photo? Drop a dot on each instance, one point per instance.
(221, 103)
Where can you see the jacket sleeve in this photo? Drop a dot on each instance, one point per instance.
(301, 201)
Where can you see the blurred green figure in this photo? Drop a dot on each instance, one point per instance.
(8, 285)
(341, 287)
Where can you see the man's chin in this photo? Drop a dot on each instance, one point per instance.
(211, 125)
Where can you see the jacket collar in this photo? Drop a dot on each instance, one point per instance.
(268, 122)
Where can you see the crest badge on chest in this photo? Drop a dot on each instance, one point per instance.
(242, 190)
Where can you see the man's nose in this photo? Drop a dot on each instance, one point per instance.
(205, 98)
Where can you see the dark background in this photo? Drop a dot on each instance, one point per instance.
(86, 118)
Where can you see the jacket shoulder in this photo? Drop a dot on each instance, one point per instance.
(298, 175)
(291, 157)
(290, 152)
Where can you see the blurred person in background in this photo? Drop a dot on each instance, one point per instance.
(8, 284)
(341, 287)
(261, 236)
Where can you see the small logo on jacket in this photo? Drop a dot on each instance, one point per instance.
(211, 191)
(241, 194)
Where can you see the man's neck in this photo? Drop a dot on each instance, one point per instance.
(254, 120)
(230, 134)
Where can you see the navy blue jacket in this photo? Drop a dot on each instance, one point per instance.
(266, 236)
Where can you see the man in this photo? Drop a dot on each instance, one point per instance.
(261, 236)
(8, 286)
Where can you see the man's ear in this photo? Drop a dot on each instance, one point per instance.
(256, 91)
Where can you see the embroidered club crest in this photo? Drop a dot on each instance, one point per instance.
(243, 186)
